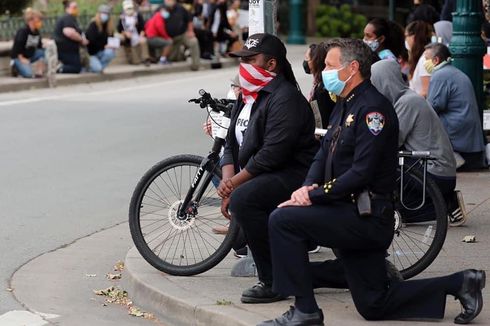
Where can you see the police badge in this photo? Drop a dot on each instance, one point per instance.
(375, 122)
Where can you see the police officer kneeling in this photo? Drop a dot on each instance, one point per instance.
(346, 203)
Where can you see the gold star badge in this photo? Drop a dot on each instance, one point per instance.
(349, 120)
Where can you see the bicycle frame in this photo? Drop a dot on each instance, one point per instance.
(212, 160)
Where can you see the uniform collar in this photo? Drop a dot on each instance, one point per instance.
(352, 97)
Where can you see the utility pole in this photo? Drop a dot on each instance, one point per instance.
(296, 32)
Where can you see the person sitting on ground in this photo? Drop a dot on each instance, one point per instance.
(222, 31)
(203, 35)
(386, 38)
(159, 41)
(98, 32)
(131, 28)
(421, 130)
(68, 36)
(27, 52)
(181, 29)
(319, 98)
(452, 96)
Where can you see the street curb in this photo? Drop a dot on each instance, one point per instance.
(177, 306)
(68, 80)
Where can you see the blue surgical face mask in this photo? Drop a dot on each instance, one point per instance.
(104, 18)
(373, 44)
(331, 81)
(165, 14)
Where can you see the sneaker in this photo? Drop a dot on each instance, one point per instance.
(314, 250)
(147, 62)
(457, 215)
(164, 61)
(459, 160)
(241, 253)
(260, 293)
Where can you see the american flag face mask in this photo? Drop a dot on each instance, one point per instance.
(252, 80)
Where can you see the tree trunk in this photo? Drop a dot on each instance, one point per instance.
(311, 17)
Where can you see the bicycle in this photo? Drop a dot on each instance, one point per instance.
(175, 206)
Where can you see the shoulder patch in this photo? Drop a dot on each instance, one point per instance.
(375, 122)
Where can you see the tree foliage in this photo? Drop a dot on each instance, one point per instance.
(339, 22)
(13, 6)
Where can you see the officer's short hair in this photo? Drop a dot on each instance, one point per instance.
(352, 49)
(439, 50)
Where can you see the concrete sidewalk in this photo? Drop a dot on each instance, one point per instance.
(194, 300)
(113, 72)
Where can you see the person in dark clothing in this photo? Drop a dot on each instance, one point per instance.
(448, 9)
(346, 203)
(181, 29)
(98, 32)
(68, 37)
(203, 34)
(131, 27)
(27, 50)
(221, 28)
(320, 100)
(423, 11)
(269, 147)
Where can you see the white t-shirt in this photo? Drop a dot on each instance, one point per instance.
(420, 71)
(242, 123)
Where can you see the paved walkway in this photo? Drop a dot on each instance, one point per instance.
(56, 283)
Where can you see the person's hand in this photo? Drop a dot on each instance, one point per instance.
(127, 35)
(300, 197)
(225, 188)
(84, 41)
(225, 203)
(207, 128)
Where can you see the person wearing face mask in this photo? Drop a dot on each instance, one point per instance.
(386, 39)
(98, 31)
(181, 29)
(69, 37)
(159, 41)
(452, 96)
(346, 203)
(131, 28)
(320, 101)
(27, 51)
(269, 146)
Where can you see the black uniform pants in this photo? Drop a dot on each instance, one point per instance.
(362, 244)
(251, 205)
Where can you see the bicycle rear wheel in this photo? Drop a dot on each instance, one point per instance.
(419, 234)
(176, 246)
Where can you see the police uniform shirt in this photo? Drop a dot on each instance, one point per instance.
(362, 141)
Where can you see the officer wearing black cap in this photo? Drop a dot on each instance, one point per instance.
(346, 203)
(269, 148)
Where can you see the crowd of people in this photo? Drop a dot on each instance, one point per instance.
(175, 31)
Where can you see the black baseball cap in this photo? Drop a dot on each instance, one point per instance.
(262, 43)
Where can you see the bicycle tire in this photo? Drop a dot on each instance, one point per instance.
(435, 199)
(148, 183)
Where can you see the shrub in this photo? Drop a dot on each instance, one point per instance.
(339, 22)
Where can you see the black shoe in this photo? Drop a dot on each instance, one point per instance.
(260, 293)
(241, 253)
(294, 317)
(393, 273)
(470, 295)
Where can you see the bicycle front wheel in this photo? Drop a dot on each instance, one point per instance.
(419, 233)
(172, 244)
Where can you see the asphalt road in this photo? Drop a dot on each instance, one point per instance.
(70, 157)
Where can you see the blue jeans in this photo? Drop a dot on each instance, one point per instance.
(101, 60)
(25, 70)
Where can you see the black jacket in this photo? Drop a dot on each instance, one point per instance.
(280, 133)
(365, 156)
(97, 39)
(26, 42)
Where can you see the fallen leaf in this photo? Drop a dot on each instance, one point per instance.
(133, 311)
(91, 275)
(9, 290)
(114, 276)
(469, 239)
(223, 302)
(119, 267)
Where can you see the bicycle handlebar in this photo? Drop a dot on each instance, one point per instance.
(217, 105)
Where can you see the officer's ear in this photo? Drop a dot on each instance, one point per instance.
(354, 67)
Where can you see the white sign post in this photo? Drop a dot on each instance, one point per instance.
(262, 16)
